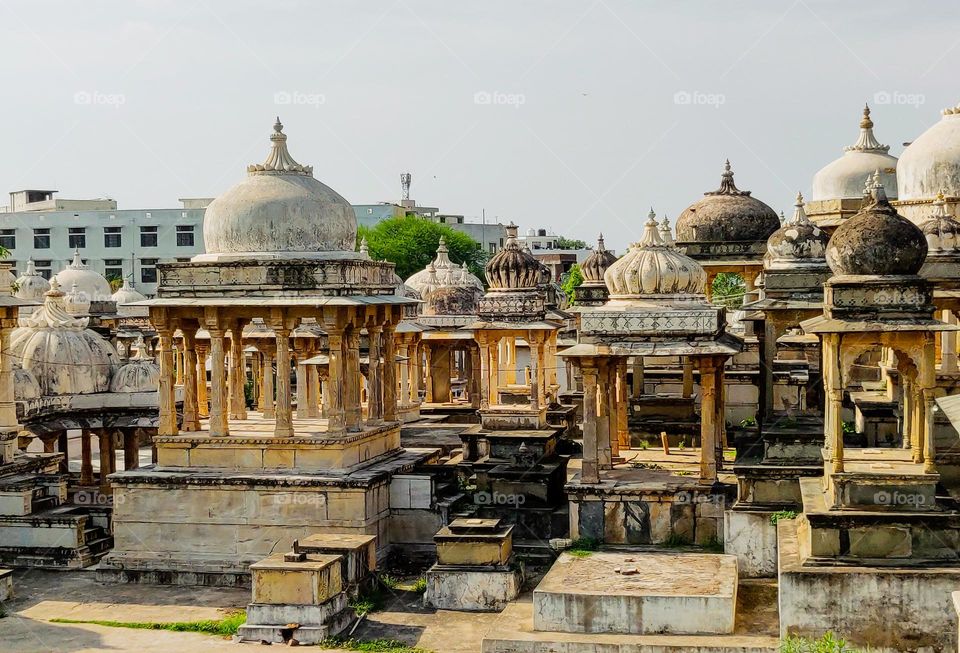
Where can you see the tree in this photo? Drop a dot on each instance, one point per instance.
(569, 243)
(572, 279)
(411, 242)
(728, 289)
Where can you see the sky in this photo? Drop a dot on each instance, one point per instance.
(576, 116)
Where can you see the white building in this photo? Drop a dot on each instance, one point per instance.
(116, 243)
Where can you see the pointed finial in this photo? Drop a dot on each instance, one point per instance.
(799, 215)
(278, 126)
(279, 160)
(364, 247)
(940, 205)
(651, 233)
(727, 187)
(783, 220)
(652, 216)
(867, 142)
(866, 123)
(54, 288)
(879, 194)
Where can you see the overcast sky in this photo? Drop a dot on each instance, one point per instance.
(575, 115)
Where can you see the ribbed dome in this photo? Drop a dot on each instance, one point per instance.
(931, 163)
(798, 243)
(279, 211)
(58, 349)
(877, 241)
(447, 272)
(25, 386)
(139, 374)
(512, 268)
(726, 214)
(31, 284)
(597, 263)
(90, 283)
(652, 268)
(843, 178)
(941, 230)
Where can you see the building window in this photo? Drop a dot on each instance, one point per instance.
(184, 235)
(41, 239)
(112, 237)
(76, 237)
(148, 236)
(43, 268)
(8, 238)
(493, 248)
(148, 270)
(113, 268)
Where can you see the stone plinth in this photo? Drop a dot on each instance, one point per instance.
(474, 542)
(311, 581)
(359, 553)
(752, 537)
(6, 584)
(638, 593)
(513, 417)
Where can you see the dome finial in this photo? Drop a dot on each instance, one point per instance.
(279, 160)
(666, 234)
(867, 142)
(651, 232)
(727, 187)
(77, 262)
(364, 248)
(600, 246)
(799, 215)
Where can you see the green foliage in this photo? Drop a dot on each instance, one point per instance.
(420, 585)
(713, 544)
(583, 546)
(728, 289)
(371, 645)
(849, 428)
(782, 514)
(644, 445)
(569, 243)
(115, 281)
(411, 243)
(226, 626)
(388, 581)
(750, 422)
(828, 643)
(366, 603)
(572, 279)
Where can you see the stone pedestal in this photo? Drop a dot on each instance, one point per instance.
(474, 569)
(6, 584)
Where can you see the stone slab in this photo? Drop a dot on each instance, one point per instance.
(664, 592)
(749, 535)
(482, 590)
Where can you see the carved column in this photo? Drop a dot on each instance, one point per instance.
(428, 355)
(167, 424)
(948, 345)
(302, 392)
(604, 453)
(203, 407)
(416, 374)
(484, 373)
(687, 377)
(131, 452)
(609, 384)
(535, 371)
(313, 390)
(106, 449)
(238, 376)
(86, 458)
(623, 433)
(219, 425)
(590, 468)
(375, 394)
(833, 417)
(495, 371)
(283, 426)
(191, 410)
(475, 377)
(390, 373)
(267, 392)
(334, 391)
(637, 385)
(708, 416)
(352, 378)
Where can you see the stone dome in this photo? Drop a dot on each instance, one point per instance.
(843, 178)
(139, 374)
(279, 211)
(652, 268)
(452, 300)
(31, 285)
(941, 230)
(61, 352)
(597, 263)
(25, 385)
(90, 284)
(512, 268)
(798, 243)
(726, 214)
(127, 294)
(877, 241)
(76, 302)
(447, 272)
(931, 163)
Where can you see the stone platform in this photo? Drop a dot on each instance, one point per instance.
(638, 593)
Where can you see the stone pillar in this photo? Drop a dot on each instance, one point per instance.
(131, 452)
(918, 423)
(929, 440)
(237, 375)
(63, 445)
(440, 371)
(687, 377)
(948, 345)
(416, 374)
(404, 398)
(906, 416)
(484, 374)
(333, 392)
(390, 373)
(708, 416)
(86, 458)
(167, 424)
(219, 425)
(621, 405)
(495, 372)
(637, 385)
(568, 374)
(301, 387)
(203, 407)
(313, 390)
(535, 371)
(191, 409)
(283, 426)
(352, 379)
(604, 454)
(266, 391)
(475, 377)
(375, 377)
(590, 467)
(833, 417)
(255, 372)
(550, 362)
(106, 448)
(610, 390)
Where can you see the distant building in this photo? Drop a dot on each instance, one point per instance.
(116, 243)
(542, 243)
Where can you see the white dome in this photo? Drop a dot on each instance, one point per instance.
(88, 282)
(279, 211)
(652, 268)
(25, 386)
(31, 284)
(127, 294)
(931, 163)
(447, 273)
(76, 302)
(58, 349)
(140, 374)
(844, 178)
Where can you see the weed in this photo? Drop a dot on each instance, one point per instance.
(828, 643)
(782, 514)
(582, 547)
(371, 645)
(388, 581)
(226, 626)
(420, 585)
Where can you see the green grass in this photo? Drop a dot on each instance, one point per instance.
(828, 643)
(388, 581)
(226, 626)
(582, 547)
(371, 645)
(420, 585)
(641, 465)
(782, 514)
(366, 603)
